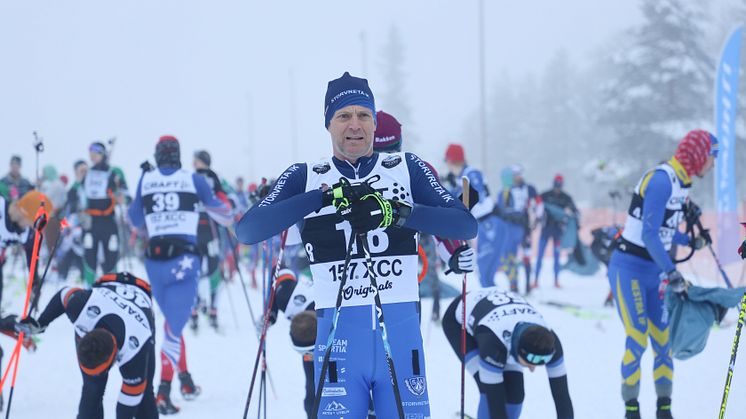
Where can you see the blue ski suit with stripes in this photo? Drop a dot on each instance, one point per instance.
(167, 205)
(635, 269)
(358, 363)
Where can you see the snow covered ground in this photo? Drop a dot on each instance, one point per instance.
(49, 381)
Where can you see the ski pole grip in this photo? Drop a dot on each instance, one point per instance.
(40, 219)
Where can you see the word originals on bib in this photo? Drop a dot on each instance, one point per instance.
(167, 220)
(364, 291)
(382, 268)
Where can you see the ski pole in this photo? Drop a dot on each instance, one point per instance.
(39, 224)
(265, 325)
(382, 324)
(733, 353)
(465, 198)
(36, 292)
(333, 329)
(236, 255)
(243, 283)
(39, 148)
(720, 267)
(714, 256)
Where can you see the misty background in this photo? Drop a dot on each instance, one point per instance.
(597, 91)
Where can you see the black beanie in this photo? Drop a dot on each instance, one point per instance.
(204, 157)
(167, 152)
(345, 91)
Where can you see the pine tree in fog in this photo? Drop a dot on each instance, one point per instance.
(662, 85)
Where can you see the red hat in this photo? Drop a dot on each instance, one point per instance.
(387, 138)
(558, 180)
(693, 151)
(455, 153)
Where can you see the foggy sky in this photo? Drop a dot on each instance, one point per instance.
(217, 74)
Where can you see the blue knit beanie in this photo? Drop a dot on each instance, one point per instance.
(345, 91)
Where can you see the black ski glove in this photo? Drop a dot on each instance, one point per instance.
(8, 323)
(462, 260)
(342, 194)
(677, 282)
(29, 326)
(742, 249)
(704, 239)
(373, 211)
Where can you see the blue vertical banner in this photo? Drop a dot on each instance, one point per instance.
(726, 101)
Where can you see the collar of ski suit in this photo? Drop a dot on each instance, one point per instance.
(680, 171)
(361, 169)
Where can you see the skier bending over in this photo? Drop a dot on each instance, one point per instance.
(398, 196)
(504, 334)
(113, 321)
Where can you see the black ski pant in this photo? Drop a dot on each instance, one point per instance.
(104, 234)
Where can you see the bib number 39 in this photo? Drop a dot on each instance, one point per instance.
(165, 201)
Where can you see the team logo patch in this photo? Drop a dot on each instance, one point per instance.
(416, 385)
(299, 300)
(134, 343)
(321, 168)
(333, 392)
(93, 311)
(335, 408)
(391, 161)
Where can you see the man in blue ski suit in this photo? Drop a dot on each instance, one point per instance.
(489, 239)
(166, 203)
(641, 266)
(407, 198)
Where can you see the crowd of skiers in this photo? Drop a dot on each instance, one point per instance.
(363, 236)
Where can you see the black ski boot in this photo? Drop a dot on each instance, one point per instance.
(632, 408)
(213, 319)
(163, 399)
(194, 320)
(189, 391)
(664, 408)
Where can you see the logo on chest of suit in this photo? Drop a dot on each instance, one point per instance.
(677, 201)
(321, 168)
(416, 385)
(93, 311)
(134, 342)
(391, 161)
(299, 300)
